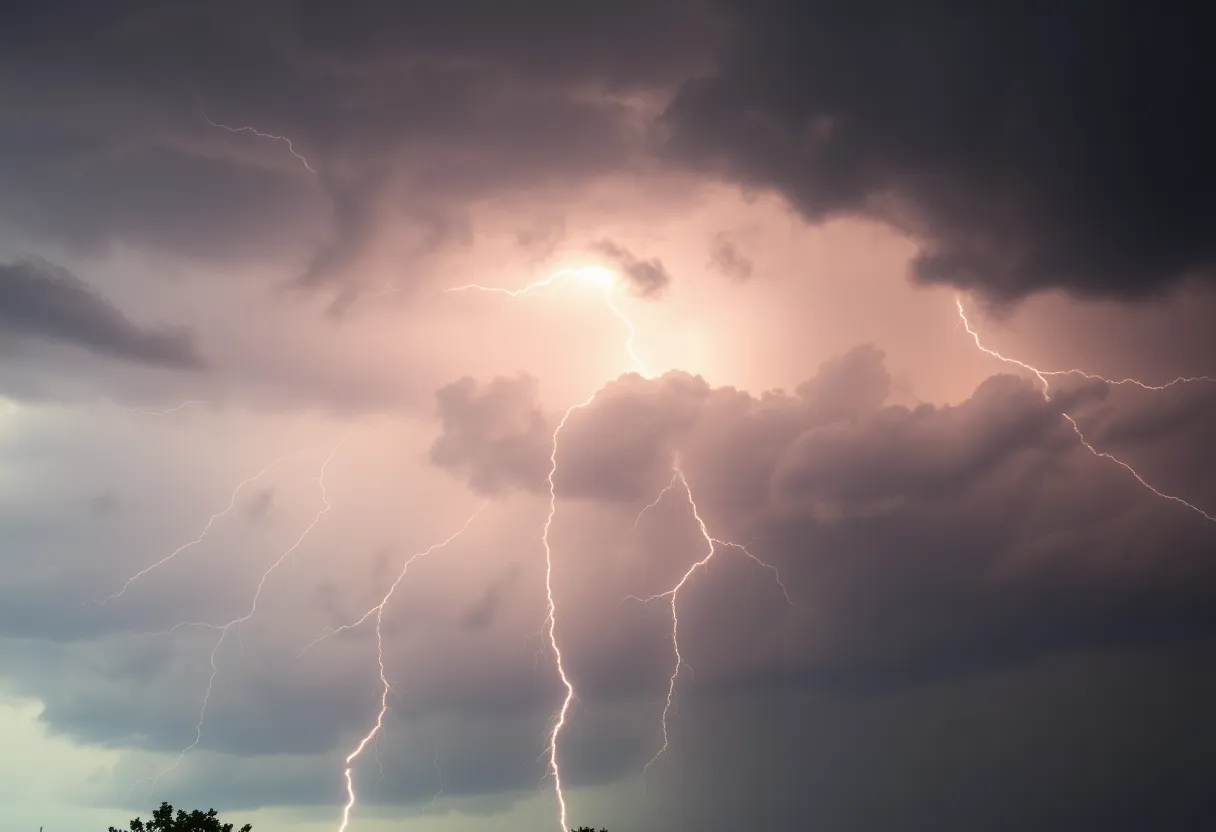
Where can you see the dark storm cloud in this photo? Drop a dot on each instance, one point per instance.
(1026, 145)
(92, 183)
(410, 107)
(43, 301)
(645, 278)
(1081, 741)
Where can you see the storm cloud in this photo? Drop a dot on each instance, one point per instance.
(914, 597)
(980, 500)
(1026, 146)
(40, 300)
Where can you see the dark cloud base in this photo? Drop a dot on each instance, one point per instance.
(40, 300)
(1027, 146)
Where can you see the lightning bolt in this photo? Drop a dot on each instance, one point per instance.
(593, 274)
(561, 716)
(165, 412)
(1044, 375)
(206, 528)
(438, 771)
(246, 129)
(224, 629)
(674, 593)
(609, 281)
(675, 478)
(385, 687)
(563, 712)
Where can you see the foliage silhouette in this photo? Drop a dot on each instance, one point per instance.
(163, 820)
(587, 829)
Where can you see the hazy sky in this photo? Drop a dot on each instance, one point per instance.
(228, 232)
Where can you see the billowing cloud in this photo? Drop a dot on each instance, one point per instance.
(974, 133)
(1025, 148)
(972, 508)
(43, 301)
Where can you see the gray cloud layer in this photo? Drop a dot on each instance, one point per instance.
(1027, 147)
(43, 301)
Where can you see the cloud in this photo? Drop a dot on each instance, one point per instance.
(973, 133)
(726, 258)
(1026, 150)
(930, 550)
(983, 608)
(497, 438)
(959, 522)
(412, 112)
(646, 278)
(40, 300)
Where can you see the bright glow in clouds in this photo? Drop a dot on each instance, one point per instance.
(605, 279)
(561, 717)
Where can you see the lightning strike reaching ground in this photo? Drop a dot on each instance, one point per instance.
(206, 529)
(246, 129)
(385, 687)
(1044, 375)
(559, 721)
(674, 593)
(224, 629)
(609, 281)
(561, 717)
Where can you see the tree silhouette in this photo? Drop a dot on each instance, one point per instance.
(587, 829)
(163, 820)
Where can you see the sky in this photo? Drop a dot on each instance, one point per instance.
(683, 414)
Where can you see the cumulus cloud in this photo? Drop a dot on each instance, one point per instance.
(40, 300)
(899, 523)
